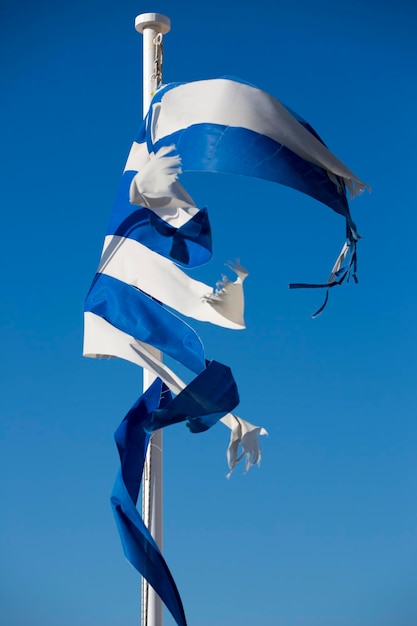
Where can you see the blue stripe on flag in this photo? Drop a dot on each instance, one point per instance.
(213, 148)
(202, 403)
(139, 547)
(189, 246)
(133, 312)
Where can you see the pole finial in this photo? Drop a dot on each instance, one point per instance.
(158, 22)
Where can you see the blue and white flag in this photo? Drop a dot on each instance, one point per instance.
(141, 292)
(227, 125)
(210, 122)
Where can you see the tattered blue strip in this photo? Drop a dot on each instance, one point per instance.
(206, 399)
(138, 545)
(344, 273)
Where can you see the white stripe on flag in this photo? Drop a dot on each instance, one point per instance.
(138, 265)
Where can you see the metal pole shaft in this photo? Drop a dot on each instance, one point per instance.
(151, 25)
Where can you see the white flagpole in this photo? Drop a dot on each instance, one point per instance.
(152, 26)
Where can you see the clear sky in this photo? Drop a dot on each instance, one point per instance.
(324, 533)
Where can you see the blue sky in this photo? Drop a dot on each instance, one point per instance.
(324, 533)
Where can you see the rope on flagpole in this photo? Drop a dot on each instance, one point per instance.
(152, 26)
(159, 53)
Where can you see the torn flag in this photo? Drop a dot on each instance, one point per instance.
(141, 292)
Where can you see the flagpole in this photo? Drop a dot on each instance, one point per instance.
(152, 26)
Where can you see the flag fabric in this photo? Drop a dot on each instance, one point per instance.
(211, 121)
(141, 293)
(132, 439)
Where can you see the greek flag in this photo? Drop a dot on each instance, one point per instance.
(141, 296)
